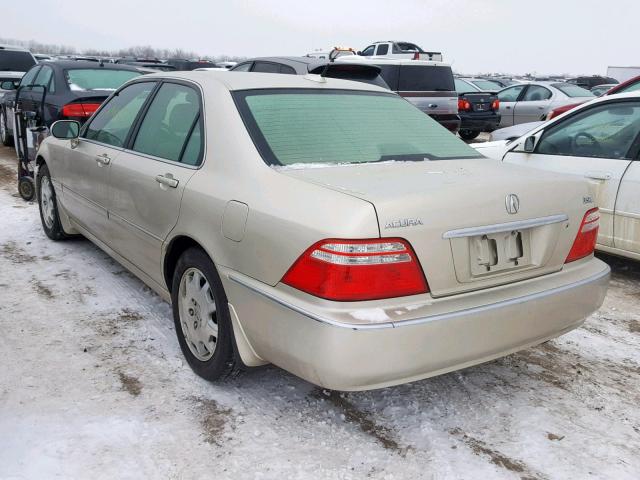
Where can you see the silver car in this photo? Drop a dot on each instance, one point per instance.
(282, 231)
(530, 102)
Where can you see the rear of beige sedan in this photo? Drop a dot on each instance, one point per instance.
(361, 245)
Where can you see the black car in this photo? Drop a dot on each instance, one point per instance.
(478, 110)
(187, 65)
(305, 65)
(592, 81)
(53, 91)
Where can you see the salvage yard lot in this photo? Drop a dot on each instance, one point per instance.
(93, 385)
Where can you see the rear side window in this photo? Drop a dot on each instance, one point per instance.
(383, 49)
(89, 79)
(421, 78)
(112, 123)
(170, 120)
(15, 61)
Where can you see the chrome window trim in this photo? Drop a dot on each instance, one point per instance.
(505, 227)
(431, 318)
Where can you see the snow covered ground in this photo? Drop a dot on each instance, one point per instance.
(93, 385)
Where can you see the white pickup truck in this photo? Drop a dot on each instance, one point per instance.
(397, 49)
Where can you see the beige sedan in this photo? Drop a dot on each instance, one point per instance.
(325, 226)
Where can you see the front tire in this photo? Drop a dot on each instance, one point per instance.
(5, 137)
(468, 134)
(48, 205)
(201, 316)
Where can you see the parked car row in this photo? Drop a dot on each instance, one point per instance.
(336, 229)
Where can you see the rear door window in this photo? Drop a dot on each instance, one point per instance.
(383, 49)
(266, 67)
(536, 93)
(112, 123)
(170, 120)
(420, 78)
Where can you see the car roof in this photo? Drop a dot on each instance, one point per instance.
(309, 62)
(14, 48)
(233, 81)
(73, 64)
(389, 61)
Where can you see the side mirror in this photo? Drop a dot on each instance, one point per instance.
(8, 85)
(65, 129)
(530, 144)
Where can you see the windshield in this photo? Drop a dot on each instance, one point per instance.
(15, 61)
(98, 78)
(573, 90)
(309, 126)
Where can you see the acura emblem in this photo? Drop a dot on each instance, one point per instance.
(512, 202)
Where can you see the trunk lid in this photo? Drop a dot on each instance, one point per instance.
(453, 212)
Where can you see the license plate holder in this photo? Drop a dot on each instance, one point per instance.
(497, 252)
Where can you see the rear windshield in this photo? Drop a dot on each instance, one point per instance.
(309, 126)
(487, 85)
(419, 78)
(573, 90)
(87, 79)
(15, 61)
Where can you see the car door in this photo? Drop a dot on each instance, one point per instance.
(149, 176)
(508, 98)
(533, 105)
(627, 211)
(85, 167)
(23, 94)
(596, 143)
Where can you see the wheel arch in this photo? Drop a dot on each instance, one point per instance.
(176, 247)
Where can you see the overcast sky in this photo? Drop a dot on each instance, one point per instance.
(543, 36)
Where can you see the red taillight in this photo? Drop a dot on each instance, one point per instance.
(495, 105)
(585, 242)
(83, 110)
(464, 105)
(354, 270)
(560, 110)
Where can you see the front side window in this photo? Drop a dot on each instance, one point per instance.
(367, 52)
(45, 79)
(90, 79)
(243, 67)
(605, 131)
(171, 118)
(309, 126)
(112, 123)
(29, 77)
(536, 93)
(511, 94)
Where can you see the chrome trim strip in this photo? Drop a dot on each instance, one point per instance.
(505, 227)
(430, 318)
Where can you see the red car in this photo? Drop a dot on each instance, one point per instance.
(628, 86)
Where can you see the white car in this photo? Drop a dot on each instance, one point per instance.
(601, 142)
(530, 102)
(399, 49)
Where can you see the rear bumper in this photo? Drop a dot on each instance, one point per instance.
(319, 346)
(484, 122)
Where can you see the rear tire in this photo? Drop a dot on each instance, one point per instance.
(48, 205)
(468, 134)
(201, 316)
(5, 137)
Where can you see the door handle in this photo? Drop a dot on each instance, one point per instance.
(508, 107)
(167, 180)
(598, 175)
(103, 160)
